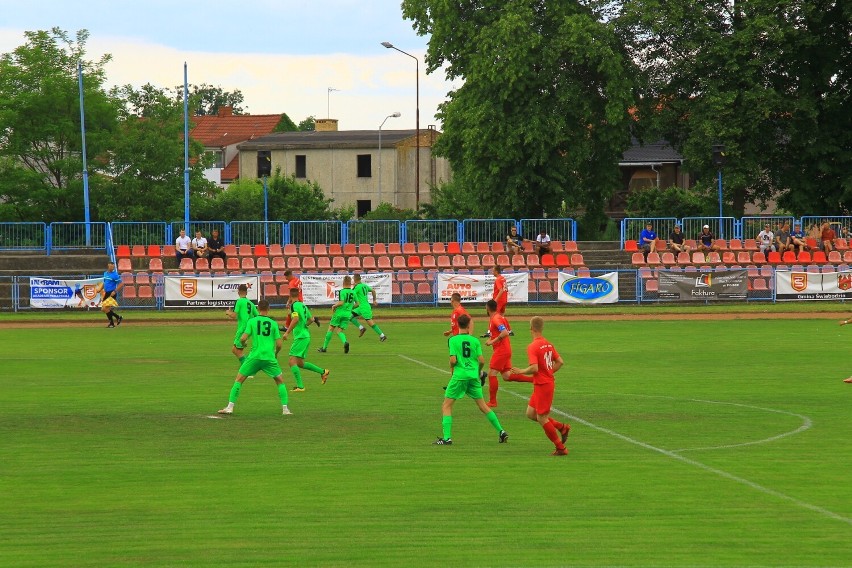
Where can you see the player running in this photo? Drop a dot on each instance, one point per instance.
(466, 361)
(342, 313)
(458, 311)
(365, 309)
(501, 359)
(266, 342)
(110, 288)
(500, 295)
(300, 317)
(544, 361)
(244, 309)
(294, 281)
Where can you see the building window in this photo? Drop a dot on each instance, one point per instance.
(264, 163)
(364, 206)
(301, 167)
(217, 158)
(365, 166)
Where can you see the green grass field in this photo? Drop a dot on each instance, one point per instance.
(694, 443)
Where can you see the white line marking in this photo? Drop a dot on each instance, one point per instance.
(673, 455)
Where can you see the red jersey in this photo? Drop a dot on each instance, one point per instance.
(454, 319)
(542, 353)
(498, 324)
(499, 286)
(296, 283)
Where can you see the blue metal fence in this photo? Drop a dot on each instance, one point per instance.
(140, 233)
(359, 232)
(23, 236)
(486, 230)
(631, 227)
(256, 232)
(68, 236)
(558, 229)
(842, 225)
(722, 227)
(314, 232)
(206, 227)
(751, 226)
(437, 231)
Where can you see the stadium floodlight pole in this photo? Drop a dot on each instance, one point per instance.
(266, 209)
(185, 149)
(389, 45)
(394, 115)
(88, 218)
(328, 102)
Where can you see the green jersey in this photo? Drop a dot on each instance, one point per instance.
(301, 330)
(361, 291)
(467, 351)
(262, 332)
(245, 310)
(348, 299)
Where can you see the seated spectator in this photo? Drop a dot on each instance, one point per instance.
(215, 247)
(798, 238)
(199, 245)
(766, 239)
(783, 241)
(542, 243)
(814, 232)
(648, 240)
(707, 240)
(677, 242)
(514, 241)
(826, 238)
(183, 246)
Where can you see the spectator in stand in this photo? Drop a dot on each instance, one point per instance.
(215, 247)
(766, 239)
(814, 233)
(827, 237)
(648, 240)
(707, 240)
(783, 242)
(183, 246)
(677, 242)
(199, 245)
(514, 241)
(542, 243)
(798, 238)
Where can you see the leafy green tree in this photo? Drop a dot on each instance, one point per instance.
(40, 135)
(451, 200)
(542, 116)
(205, 100)
(308, 125)
(286, 124)
(670, 202)
(386, 211)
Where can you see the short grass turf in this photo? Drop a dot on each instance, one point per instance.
(694, 443)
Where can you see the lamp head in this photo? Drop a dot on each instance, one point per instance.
(396, 114)
(387, 44)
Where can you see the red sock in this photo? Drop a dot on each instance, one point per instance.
(287, 323)
(518, 378)
(557, 425)
(493, 385)
(554, 436)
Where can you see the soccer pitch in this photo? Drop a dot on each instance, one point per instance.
(693, 443)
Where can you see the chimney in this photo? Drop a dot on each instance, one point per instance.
(326, 124)
(225, 111)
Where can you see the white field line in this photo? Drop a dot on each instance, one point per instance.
(672, 455)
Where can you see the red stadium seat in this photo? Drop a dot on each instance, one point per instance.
(424, 248)
(571, 246)
(123, 251)
(270, 291)
(266, 277)
(819, 257)
(399, 262)
(290, 250)
(364, 249)
(275, 250)
(472, 261)
(305, 250)
(368, 263)
(295, 263)
(428, 261)
(631, 245)
(728, 257)
(458, 261)
(409, 248)
(683, 258)
(577, 259)
(394, 249)
(503, 260)
(698, 258)
(353, 262)
(278, 263)
(439, 248)
(320, 249)
(668, 259)
(453, 248)
(834, 257)
(743, 257)
(483, 247)
(261, 250)
(186, 264)
(202, 264)
(128, 291)
(652, 285)
(444, 261)
(414, 261)
(637, 259)
(841, 244)
(735, 245)
(154, 251)
(383, 263)
(169, 251)
(548, 260)
(232, 263)
(758, 258)
(124, 264)
(155, 265)
(380, 249)
(488, 260)
(247, 263)
(323, 263)
(244, 250)
(145, 292)
(751, 244)
(468, 248)
(262, 263)
(713, 258)
(774, 257)
(338, 262)
(350, 249)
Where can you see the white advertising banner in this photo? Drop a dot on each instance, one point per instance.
(480, 287)
(193, 292)
(322, 289)
(812, 286)
(588, 289)
(55, 293)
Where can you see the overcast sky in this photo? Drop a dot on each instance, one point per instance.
(283, 55)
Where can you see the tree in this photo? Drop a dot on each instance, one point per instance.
(40, 135)
(670, 202)
(308, 125)
(286, 124)
(205, 100)
(542, 116)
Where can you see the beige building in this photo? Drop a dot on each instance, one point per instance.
(350, 165)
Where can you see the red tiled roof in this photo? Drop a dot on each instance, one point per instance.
(221, 131)
(232, 170)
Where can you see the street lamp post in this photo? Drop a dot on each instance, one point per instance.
(394, 115)
(328, 102)
(389, 45)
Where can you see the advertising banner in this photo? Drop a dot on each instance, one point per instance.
(811, 286)
(589, 289)
(322, 289)
(703, 286)
(54, 293)
(221, 292)
(480, 287)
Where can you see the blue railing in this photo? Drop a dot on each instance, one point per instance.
(488, 230)
(140, 233)
(68, 236)
(557, 229)
(422, 231)
(358, 232)
(632, 227)
(23, 236)
(256, 232)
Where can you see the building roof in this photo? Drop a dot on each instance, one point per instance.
(220, 131)
(232, 171)
(659, 152)
(329, 139)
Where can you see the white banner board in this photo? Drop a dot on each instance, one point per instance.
(322, 289)
(480, 287)
(194, 292)
(812, 286)
(56, 293)
(588, 289)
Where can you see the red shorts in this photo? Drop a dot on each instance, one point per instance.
(542, 398)
(501, 308)
(501, 361)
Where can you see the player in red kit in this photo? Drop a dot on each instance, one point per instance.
(458, 310)
(294, 281)
(501, 359)
(544, 361)
(500, 295)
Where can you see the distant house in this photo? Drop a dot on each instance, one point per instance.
(648, 165)
(354, 167)
(221, 133)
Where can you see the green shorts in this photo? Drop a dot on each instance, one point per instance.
(364, 313)
(299, 348)
(253, 366)
(457, 388)
(237, 343)
(341, 321)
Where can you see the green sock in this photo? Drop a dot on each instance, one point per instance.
(447, 424)
(327, 340)
(354, 321)
(235, 392)
(241, 358)
(297, 374)
(492, 417)
(282, 394)
(342, 336)
(314, 368)
(375, 327)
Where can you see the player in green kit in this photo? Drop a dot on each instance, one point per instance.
(466, 361)
(365, 309)
(266, 342)
(342, 313)
(300, 317)
(244, 310)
